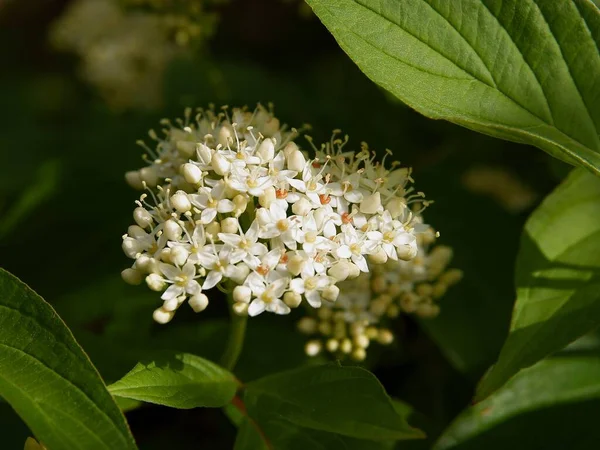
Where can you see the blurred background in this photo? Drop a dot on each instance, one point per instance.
(80, 84)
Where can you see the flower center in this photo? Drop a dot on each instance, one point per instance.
(267, 297)
(388, 236)
(310, 237)
(212, 203)
(281, 193)
(252, 183)
(181, 280)
(355, 248)
(312, 185)
(244, 244)
(262, 270)
(346, 218)
(325, 199)
(283, 225)
(310, 283)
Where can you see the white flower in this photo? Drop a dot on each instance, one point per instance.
(276, 224)
(246, 245)
(311, 286)
(267, 291)
(211, 202)
(182, 280)
(354, 246)
(221, 263)
(310, 238)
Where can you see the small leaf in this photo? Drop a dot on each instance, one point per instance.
(48, 379)
(551, 405)
(180, 381)
(522, 70)
(348, 401)
(557, 277)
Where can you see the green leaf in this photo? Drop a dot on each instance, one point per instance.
(522, 70)
(180, 381)
(552, 405)
(49, 380)
(557, 278)
(348, 401)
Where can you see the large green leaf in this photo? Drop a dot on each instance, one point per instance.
(180, 381)
(552, 405)
(49, 380)
(523, 70)
(557, 278)
(348, 401)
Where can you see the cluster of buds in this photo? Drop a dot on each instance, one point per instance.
(231, 201)
(123, 54)
(186, 21)
(367, 304)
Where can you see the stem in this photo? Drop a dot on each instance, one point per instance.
(235, 342)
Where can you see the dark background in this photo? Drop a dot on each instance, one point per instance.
(64, 206)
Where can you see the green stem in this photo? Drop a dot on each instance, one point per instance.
(235, 342)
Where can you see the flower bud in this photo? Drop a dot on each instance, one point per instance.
(220, 164)
(130, 247)
(240, 202)
(145, 263)
(229, 225)
(346, 346)
(186, 148)
(241, 309)
(181, 202)
(172, 230)
(302, 207)
(359, 354)
(132, 276)
(263, 216)
(161, 316)
(371, 204)
(267, 197)
(330, 293)
(354, 270)
(332, 345)
(142, 217)
(307, 325)
(136, 232)
(240, 273)
(385, 337)
(296, 161)
(155, 282)
(192, 173)
(198, 302)
(379, 257)
(213, 228)
(204, 154)
(313, 348)
(340, 271)
(289, 148)
(134, 179)
(406, 252)
(271, 126)
(361, 341)
(172, 304)
(225, 136)
(179, 255)
(295, 264)
(149, 175)
(165, 255)
(292, 299)
(266, 150)
(242, 294)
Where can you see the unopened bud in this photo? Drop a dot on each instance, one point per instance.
(359, 354)
(142, 217)
(330, 293)
(181, 202)
(302, 207)
(406, 252)
(241, 309)
(292, 299)
(130, 247)
(340, 271)
(267, 197)
(295, 264)
(396, 206)
(289, 148)
(240, 202)
(385, 337)
(242, 294)
(296, 161)
(192, 173)
(307, 325)
(229, 225)
(379, 257)
(213, 228)
(161, 316)
(220, 164)
(204, 154)
(224, 136)
(179, 255)
(155, 282)
(198, 302)
(134, 179)
(172, 230)
(186, 148)
(149, 175)
(132, 276)
(346, 346)
(332, 345)
(313, 348)
(266, 150)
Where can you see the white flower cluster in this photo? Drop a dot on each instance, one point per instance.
(124, 55)
(367, 304)
(236, 204)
